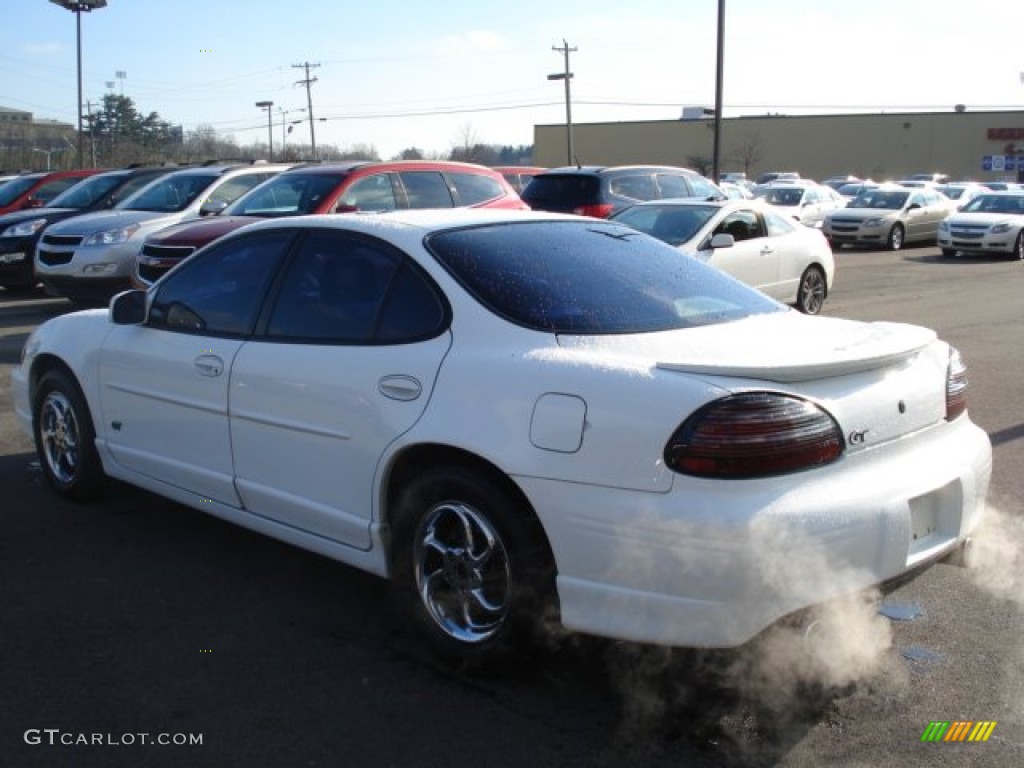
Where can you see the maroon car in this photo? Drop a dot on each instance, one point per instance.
(333, 188)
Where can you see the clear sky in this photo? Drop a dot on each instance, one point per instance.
(400, 74)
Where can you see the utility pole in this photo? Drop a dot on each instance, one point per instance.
(719, 69)
(92, 133)
(309, 100)
(567, 76)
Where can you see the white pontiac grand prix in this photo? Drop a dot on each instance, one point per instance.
(506, 411)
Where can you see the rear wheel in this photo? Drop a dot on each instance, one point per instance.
(65, 438)
(812, 291)
(896, 234)
(1018, 247)
(470, 564)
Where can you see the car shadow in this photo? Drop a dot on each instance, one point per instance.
(938, 258)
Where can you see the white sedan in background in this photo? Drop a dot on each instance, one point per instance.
(992, 222)
(519, 417)
(752, 241)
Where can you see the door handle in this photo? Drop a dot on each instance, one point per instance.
(400, 387)
(209, 365)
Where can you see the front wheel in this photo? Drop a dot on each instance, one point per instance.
(470, 563)
(812, 291)
(1018, 247)
(65, 438)
(895, 237)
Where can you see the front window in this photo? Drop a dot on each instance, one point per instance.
(15, 188)
(88, 192)
(169, 194)
(1012, 204)
(672, 224)
(220, 292)
(590, 278)
(891, 200)
(287, 195)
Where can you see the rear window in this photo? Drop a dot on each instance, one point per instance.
(475, 188)
(565, 191)
(590, 278)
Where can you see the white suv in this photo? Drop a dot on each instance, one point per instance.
(90, 258)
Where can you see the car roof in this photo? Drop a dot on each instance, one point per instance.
(387, 165)
(605, 169)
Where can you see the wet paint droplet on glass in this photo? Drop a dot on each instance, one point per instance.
(900, 611)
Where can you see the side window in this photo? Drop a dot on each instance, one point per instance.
(51, 189)
(426, 189)
(635, 187)
(673, 186)
(474, 188)
(347, 290)
(742, 225)
(232, 189)
(129, 188)
(371, 193)
(703, 188)
(776, 225)
(220, 293)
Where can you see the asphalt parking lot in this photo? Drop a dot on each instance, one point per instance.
(140, 621)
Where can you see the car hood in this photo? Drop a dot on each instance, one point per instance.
(50, 214)
(100, 221)
(782, 347)
(199, 233)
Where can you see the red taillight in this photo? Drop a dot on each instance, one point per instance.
(956, 385)
(598, 211)
(756, 434)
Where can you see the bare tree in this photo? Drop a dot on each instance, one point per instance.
(700, 164)
(748, 151)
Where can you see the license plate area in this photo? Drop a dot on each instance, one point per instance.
(934, 520)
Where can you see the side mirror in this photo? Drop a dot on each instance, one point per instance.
(128, 308)
(913, 206)
(212, 207)
(342, 208)
(723, 240)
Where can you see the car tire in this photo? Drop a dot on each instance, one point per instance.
(895, 241)
(472, 566)
(65, 438)
(812, 290)
(1018, 247)
(949, 253)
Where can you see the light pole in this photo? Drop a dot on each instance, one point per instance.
(268, 105)
(77, 7)
(46, 152)
(566, 76)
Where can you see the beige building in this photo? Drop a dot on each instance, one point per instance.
(965, 145)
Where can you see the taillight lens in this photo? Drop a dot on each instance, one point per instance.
(956, 385)
(599, 211)
(755, 434)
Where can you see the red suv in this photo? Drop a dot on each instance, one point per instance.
(333, 188)
(35, 190)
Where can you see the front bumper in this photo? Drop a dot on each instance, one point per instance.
(854, 233)
(83, 273)
(16, 266)
(994, 244)
(713, 563)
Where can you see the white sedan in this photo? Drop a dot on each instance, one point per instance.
(992, 222)
(519, 415)
(752, 241)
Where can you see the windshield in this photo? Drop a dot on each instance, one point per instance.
(87, 192)
(672, 224)
(996, 204)
(169, 194)
(785, 197)
(892, 200)
(590, 278)
(15, 188)
(286, 195)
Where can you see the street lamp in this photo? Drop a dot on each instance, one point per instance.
(270, 125)
(77, 7)
(46, 152)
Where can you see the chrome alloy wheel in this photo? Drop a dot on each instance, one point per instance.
(59, 432)
(812, 291)
(462, 572)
